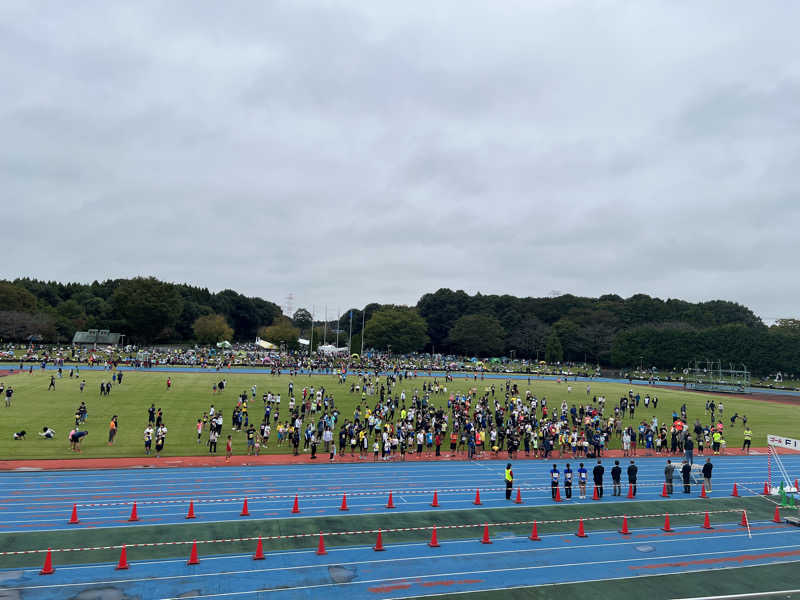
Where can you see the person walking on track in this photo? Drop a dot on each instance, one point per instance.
(509, 481)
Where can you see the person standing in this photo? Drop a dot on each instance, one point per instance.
(583, 475)
(161, 436)
(686, 473)
(707, 475)
(632, 472)
(597, 473)
(509, 477)
(112, 430)
(688, 448)
(748, 438)
(554, 474)
(568, 481)
(228, 449)
(616, 477)
(668, 472)
(148, 439)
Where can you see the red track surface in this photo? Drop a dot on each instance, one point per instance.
(271, 459)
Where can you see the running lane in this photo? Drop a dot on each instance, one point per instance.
(32, 501)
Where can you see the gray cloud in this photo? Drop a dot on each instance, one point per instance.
(358, 152)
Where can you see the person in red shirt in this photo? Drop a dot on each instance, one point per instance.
(228, 449)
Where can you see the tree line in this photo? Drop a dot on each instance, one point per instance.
(609, 330)
(145, 309)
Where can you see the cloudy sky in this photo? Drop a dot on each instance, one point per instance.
(351, 152)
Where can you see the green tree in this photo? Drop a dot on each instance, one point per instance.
(528, 338)
(148, 305)
(281, 332)
(210, 329)
(477, 335)
(553, 352)
(397, 326)
(302, 319)
(16, 298)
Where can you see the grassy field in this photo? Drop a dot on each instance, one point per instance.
(191, 394)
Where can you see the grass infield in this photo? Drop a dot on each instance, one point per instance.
(191, 394)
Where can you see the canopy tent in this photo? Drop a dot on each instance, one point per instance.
(224, 344)
(265, 344)
(303, 342)
(330, 349)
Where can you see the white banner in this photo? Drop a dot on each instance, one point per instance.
(783, 442)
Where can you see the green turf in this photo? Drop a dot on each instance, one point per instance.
(757, 509)
(191, 394)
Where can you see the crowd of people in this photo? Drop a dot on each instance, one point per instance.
(389, 423)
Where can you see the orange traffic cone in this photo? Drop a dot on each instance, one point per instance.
(134, 514)
(193, 559)
(344, 502)
(595, 495)
(519, 497)
(434, 543)
(73, 520)
(558, 494)
(295, 507)
(666, 526)
(664, 493)
(245, 512)
(477, 497)
(581, 532)
(625, 530)
(390, 504)
(435, 502)
(378, 547)
(707, 522)
(259, 555)
(777, 517)
(123, 559)
(485, 539)
(190, 514)
(703, 491)
(735, 492)
(766, 489)
(534, 537)
(744, 519)
(321, 546)
(630, 492)
(48, 569)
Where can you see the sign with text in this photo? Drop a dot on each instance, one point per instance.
(783, 442)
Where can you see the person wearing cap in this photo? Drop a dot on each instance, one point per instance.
(509, 477)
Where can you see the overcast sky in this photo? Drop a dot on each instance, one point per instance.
(362, 152)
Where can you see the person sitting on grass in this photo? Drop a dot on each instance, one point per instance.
(47, 433)
(19, 435)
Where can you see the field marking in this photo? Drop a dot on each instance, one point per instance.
(457, 573)
(560, 583)
(747, 595)
(416, 558)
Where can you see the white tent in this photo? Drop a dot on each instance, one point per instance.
(224, 344)
(332, 350)
(303, 342)
(265, 344)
